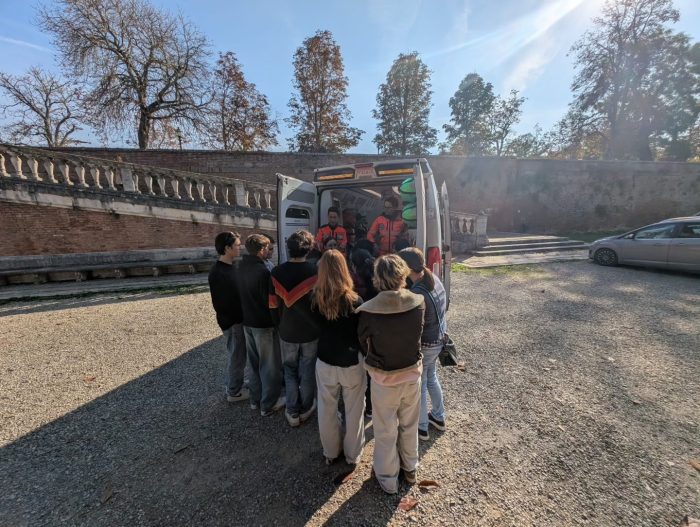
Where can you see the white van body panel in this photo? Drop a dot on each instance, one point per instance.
(446, 239)
(297, 208)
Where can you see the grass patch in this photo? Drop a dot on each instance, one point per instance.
(502, 270)
(590, 237)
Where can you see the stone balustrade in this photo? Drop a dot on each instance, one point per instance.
(82, 172)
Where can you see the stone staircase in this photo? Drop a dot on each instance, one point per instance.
(507, 244)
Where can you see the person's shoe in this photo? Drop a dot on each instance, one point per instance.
(293, 420)
(330, 460)
(240, 396)
(278, 406)
(253, 406)
(438, 425)
(410, 476)
(368, 413)
(305, 415)
(423, 435)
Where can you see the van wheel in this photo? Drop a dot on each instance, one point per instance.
(606, 257)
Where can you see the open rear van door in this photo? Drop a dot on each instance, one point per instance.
(446, 239)
(297, 208)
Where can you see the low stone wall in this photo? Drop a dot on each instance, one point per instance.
(545, 196)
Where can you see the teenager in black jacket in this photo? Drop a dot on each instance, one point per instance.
(225, 297)
(290, 306)
(265, 383)
(339, 368)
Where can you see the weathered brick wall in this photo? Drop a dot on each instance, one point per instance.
(546, 196)
(34, 230)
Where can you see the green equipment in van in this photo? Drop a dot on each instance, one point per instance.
(409, 215)
(408, 190)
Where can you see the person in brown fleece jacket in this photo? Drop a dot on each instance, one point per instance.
(389, 332)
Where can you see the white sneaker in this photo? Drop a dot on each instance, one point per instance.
(253, 406)
(292, 420)
(308, 412)
(278, 406)
(243, 395)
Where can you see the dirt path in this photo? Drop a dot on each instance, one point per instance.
(578, 405)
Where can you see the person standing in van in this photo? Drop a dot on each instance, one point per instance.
(332, 235)
(340, 367)
(290, 306)
(425, 283)
(389, 331)
(388, 228)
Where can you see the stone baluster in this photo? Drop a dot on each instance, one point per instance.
(247, 198)
(48, 166)
(64, 167)
(3, 170)
(241, 195)
(188, 189)
(200, 190)
(161, 185)
(130, 182)
(224, 194)
(80, 170)
(17, 165)
(95, 173)
(256, 196)
(34, 168)
(175, 184)
(148, 179)
(109, 174)
(268, 199)
(212, 190)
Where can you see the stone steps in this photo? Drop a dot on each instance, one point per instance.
(535, 245)
(494, 251)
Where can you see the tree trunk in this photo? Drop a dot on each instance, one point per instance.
(144, 131)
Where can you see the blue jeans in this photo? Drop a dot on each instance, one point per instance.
(236, 365)
(299, 362)
(430, 385)
(265, 383)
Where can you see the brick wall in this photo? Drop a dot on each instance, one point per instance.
(34, 230)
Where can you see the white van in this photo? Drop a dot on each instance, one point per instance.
(359, 192)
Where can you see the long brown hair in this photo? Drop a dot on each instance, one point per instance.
(415, 260)
(333, 295)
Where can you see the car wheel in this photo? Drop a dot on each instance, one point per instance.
(605, 256)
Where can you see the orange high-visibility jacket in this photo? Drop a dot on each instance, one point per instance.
(327, 233)
(384, 232)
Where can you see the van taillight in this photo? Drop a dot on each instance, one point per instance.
(434, 260)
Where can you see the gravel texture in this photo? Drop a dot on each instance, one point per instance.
(577, 405)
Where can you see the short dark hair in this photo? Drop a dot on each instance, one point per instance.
(393, 200)
(256, 243)
(334, 209)
(299, 244)
(225, 239)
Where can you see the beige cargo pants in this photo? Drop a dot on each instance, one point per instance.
(395, 412)
(331, 381)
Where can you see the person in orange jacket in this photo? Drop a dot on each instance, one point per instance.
(388, 228)
(332, 235)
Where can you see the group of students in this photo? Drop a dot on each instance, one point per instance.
(305, 335)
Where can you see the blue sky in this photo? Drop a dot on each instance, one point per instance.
(520, 44)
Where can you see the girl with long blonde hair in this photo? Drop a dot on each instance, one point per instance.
(340, 367)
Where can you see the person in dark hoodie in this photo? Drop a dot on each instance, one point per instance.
(265, 383)
(389, 331)
(225, 297)
(339, 368)
(291, 284)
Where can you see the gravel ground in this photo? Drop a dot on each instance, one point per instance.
(577, 405)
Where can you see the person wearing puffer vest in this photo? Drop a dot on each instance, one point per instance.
(389, 332)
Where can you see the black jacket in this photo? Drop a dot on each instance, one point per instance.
(254, 279)
(225, 297)
(290, 301)
(338, 344)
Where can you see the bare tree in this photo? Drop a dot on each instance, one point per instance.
(140, 64)
(42, 106)
(239, 117)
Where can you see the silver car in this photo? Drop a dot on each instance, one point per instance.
(669, 244)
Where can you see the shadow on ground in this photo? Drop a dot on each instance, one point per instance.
(166, 449)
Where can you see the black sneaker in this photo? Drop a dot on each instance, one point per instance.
(423, 435)
(368, 413)
(439, 425)
(410, 476)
